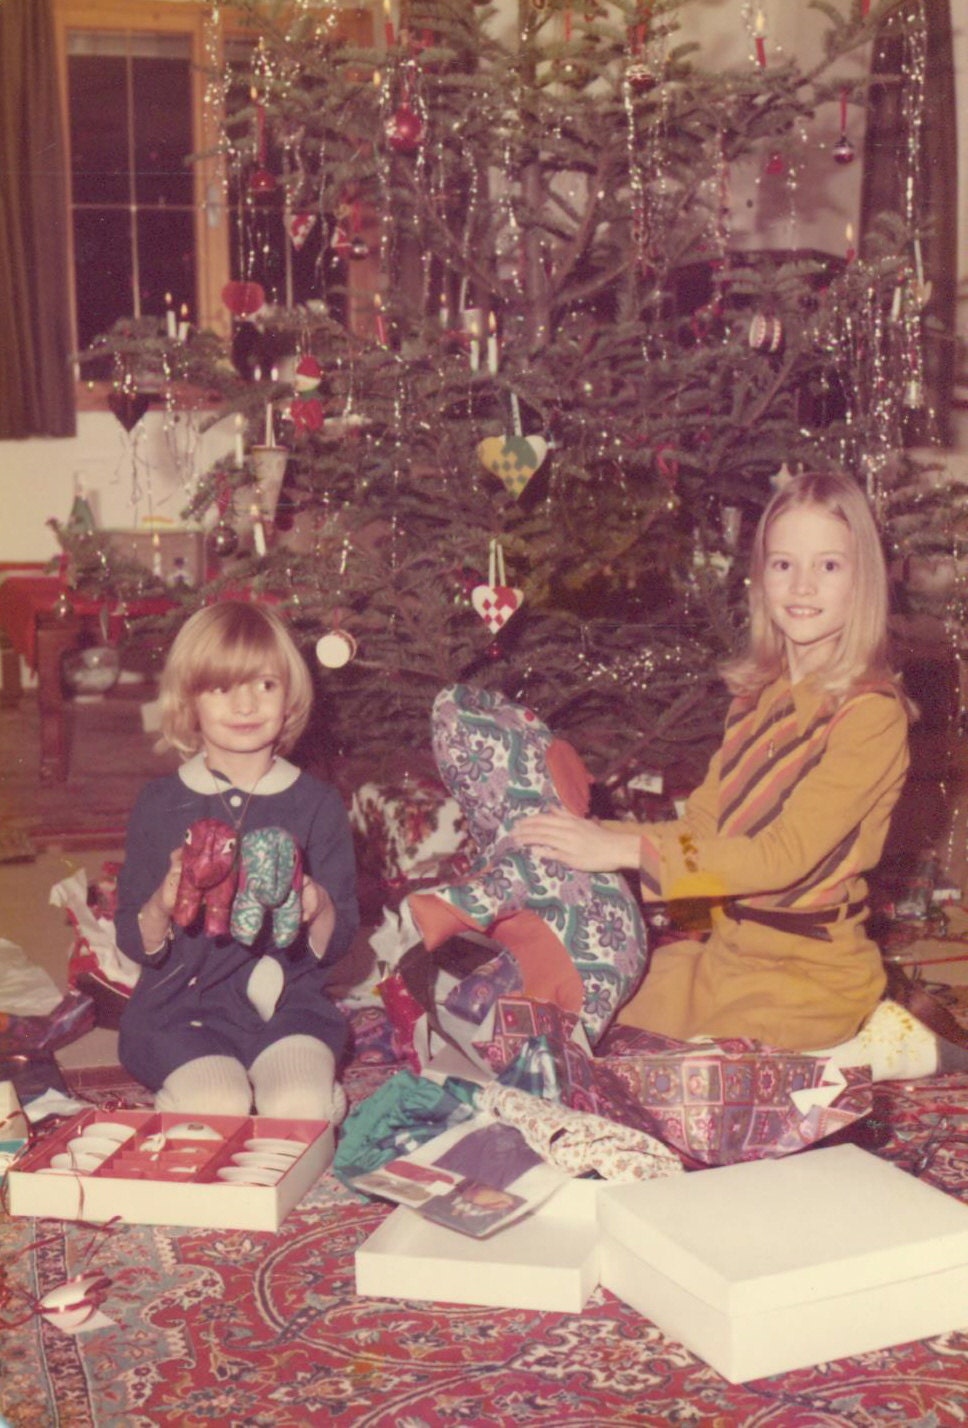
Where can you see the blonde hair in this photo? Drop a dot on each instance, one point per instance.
(223, 645)
(859, 656)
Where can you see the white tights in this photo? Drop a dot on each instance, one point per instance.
(294, 1079)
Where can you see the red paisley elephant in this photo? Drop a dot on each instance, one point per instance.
(209, 873)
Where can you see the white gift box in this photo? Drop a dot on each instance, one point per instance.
(774, 1265)
(13, 1126)
(548, 1261)
(146, 1168)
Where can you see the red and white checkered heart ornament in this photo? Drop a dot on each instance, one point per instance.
(496, 604)
(300, 227)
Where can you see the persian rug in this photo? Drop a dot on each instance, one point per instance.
(266, 1330)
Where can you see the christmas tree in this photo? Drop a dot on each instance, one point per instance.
(534, 399)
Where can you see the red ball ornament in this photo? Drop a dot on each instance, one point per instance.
(243, 299)
(776, 164)
(262, 185)
(640, 77)
(844, 152)
(405, 130)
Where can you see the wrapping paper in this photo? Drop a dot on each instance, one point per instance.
(714, 1104)
(410, 833)
(722, 1102)
(579, 1143)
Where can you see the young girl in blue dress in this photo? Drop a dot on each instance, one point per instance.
(214, 1026)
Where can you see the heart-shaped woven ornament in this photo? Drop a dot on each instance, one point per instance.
(496, 601)
(300, 227)
(513, 459)
(496, 604)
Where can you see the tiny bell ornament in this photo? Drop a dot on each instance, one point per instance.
(404, 129)
(348, 240)
(843, 151)
(223, 539)
(262, 183)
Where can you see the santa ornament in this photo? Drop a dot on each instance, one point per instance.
(306, 407)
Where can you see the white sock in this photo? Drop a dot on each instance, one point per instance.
(893, 1043)
(207, 1086)
(295, 1078)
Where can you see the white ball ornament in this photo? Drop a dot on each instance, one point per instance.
(335, 649)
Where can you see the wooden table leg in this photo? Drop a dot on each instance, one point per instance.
(56, 634)
(9, 673)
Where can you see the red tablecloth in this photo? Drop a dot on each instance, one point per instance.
(24, 597)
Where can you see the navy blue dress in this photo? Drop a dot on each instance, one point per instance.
(191, 999)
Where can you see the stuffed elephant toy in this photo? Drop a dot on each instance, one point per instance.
(209, 875)
(578, 938)
(270, 883)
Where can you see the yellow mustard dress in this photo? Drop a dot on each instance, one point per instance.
(774, 845)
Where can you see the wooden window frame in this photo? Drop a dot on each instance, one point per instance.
(211, 212)
(210, 220)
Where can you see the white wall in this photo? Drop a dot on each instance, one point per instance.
(130, 479)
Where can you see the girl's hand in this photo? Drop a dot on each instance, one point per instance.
(166, 894)
(319, 913)
(578, 842)
(154, 919)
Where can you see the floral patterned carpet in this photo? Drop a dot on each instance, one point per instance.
(241, 1328)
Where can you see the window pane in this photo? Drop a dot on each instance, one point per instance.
(162, 130)
(98, 129)
(102, 271)
(166, 250)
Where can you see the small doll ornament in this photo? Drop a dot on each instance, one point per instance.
(306, 407)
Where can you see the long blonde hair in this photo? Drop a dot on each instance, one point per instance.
(223, 645)
(859, 656)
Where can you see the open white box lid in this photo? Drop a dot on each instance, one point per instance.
(772, 1233)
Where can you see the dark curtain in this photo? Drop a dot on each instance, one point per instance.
(885, 169)
(36, 379)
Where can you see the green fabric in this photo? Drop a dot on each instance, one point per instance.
(405, 1112)
(36, 382)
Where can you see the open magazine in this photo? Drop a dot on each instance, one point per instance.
(476, 1178)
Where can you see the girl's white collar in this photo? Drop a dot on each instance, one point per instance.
(196, 775)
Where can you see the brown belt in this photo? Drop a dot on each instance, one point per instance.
(809, 923)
